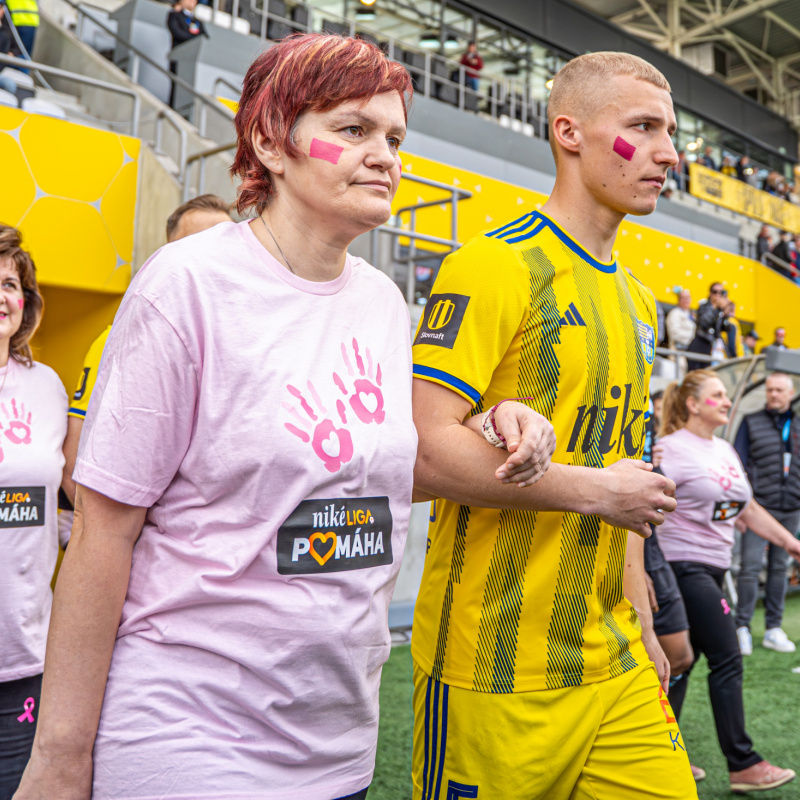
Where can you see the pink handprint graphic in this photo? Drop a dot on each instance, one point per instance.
(365, 393)
(17, 427)
(334, 446)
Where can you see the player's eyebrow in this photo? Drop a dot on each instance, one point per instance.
(654, 119)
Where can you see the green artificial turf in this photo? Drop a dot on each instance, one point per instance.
(771, 698)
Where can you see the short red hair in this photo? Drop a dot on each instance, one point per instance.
(304, 72)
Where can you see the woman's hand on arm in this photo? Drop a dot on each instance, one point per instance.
(457, 464)
(761, 522)
(530, 442)
(87, 607)
(635, 589)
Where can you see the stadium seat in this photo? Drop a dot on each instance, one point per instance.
(8, 99)
(44, 107)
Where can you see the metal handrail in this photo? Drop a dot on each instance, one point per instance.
(74, 76)
(176, 81)
(790, 268)
(201, 157)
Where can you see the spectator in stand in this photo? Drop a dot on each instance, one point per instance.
(779, 343)
(710, 320)
(791, 194)
(768, 444)
(728, 167)
(733, 332)
(681, 326)
(746, 172)
(473, 64)
(763, 242)
(750, 341)
(183, 26)
(8, 47)
(25, 17)
(783, 252)
(680, 172)
(707, 159)
(697, 539)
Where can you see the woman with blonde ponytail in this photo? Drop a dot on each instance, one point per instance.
(712, 490)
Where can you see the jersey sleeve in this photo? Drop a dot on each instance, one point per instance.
(140, 423)
(479, 301)
(83, 391)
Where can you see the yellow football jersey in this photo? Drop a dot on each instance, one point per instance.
(83, 392)
(512, 600)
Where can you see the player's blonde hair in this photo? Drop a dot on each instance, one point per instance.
(580, 85)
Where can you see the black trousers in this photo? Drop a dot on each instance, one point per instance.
(362, 795)
(16, 729)
(713, 633)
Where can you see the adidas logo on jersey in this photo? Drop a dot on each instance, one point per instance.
(572, 317)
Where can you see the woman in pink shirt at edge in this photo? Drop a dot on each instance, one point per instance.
(245, 474)
(697, 539)
(33, 423)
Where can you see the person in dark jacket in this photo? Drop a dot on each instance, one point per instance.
(768, 444)
(710, 322)
(183, 26)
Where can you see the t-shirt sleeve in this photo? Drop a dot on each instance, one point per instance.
(479, 301)
(139, 425)
(83, 391)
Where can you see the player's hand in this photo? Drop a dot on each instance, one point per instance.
(530, 441)
(651, 593)
(635, 497)
(65, 778)
(656, 653)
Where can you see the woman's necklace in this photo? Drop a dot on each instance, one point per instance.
(261, 217)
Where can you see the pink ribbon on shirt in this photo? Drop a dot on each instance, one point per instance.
(30, 704)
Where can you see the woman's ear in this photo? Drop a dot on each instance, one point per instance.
(268, 153)
(692, 406)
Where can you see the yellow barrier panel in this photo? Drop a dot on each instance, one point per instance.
(71, 190)
(736, 195)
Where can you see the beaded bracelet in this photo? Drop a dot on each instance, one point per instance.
(490, 431)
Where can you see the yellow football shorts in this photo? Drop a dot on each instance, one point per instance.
(613, 740)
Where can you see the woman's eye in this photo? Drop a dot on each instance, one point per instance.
(643, 126)
(394, 142)
(353, 130)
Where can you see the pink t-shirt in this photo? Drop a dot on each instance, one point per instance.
(712, 489)
(265, 420)
(33, 423)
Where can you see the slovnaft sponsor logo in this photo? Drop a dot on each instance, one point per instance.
(334, 535)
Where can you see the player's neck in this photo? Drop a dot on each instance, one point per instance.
(591, 224)
(700, 428)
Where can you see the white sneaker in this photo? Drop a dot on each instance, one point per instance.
(776, 639)
(745, 641)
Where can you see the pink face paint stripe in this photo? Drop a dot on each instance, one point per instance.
(622, 148)
(21, 302)
(325, 151)
(712, 403)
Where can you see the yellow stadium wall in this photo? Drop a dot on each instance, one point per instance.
(659, 260)
(72, 192)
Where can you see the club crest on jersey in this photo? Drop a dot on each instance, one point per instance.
(442, 320)
(647, 337)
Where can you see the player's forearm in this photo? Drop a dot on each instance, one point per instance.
(458, 464)
(633, 583)
(87, 607)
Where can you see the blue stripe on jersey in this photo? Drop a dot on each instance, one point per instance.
(434, 732)
(443, 746)
(527, 235)
(427, 731)
(506, 228)
(526, 223)
(456, 383)
(79, 411)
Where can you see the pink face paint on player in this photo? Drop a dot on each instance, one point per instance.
(712, 403)
(623, 148)
(21, 302)
(325, 151)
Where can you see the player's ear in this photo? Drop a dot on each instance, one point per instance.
(567, 133)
